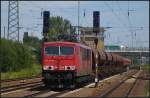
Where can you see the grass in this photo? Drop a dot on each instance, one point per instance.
(145, 68)
(147, 88)
(36, 69)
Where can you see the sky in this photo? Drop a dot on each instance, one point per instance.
(113, 14)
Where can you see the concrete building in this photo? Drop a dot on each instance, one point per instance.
(87, 36)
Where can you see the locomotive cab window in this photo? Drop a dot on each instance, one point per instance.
(85, 54)
(65, 50)
(59, 50)
(88, 54)
(52, 50)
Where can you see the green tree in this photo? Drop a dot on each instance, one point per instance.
(31, 41)
(60, 27)
(35, 44)
(14, 56)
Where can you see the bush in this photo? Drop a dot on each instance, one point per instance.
(34, 70)
(39, 55)
(14, 56)
(145, 68)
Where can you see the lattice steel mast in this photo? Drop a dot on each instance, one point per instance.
(13, 20)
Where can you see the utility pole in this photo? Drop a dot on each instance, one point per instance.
(13, 20)
(78, 18)
(32, 35)
(4, 32)
(131, 30)
(0, 35)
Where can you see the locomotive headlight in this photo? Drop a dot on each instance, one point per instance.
(51, 67)
(45, 67)
(72, 67)
(69, 67)
(48, 67)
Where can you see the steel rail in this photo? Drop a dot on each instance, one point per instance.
(19, 79)
(22, 86)
(115, 87)
(130, 89)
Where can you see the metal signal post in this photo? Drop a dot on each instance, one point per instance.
(96, 63)
(96, 25)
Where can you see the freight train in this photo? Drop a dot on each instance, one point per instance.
(65, 64)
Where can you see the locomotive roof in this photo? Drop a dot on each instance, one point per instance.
(68, 43)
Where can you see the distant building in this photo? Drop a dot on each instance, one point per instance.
(112, 47)
(116, 47)
(87, 36)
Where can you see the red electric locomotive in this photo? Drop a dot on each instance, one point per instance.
(65, 63)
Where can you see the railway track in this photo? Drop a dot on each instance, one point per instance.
(47, 93)
(16, 84)
(37, 89)
(21, 86)
(120, 89)
(18, 79)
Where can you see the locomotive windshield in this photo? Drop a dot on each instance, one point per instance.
(65, 50)
(52, 50)
(59, 50)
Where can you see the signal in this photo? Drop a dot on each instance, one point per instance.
(46, 15)
(96, 21)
